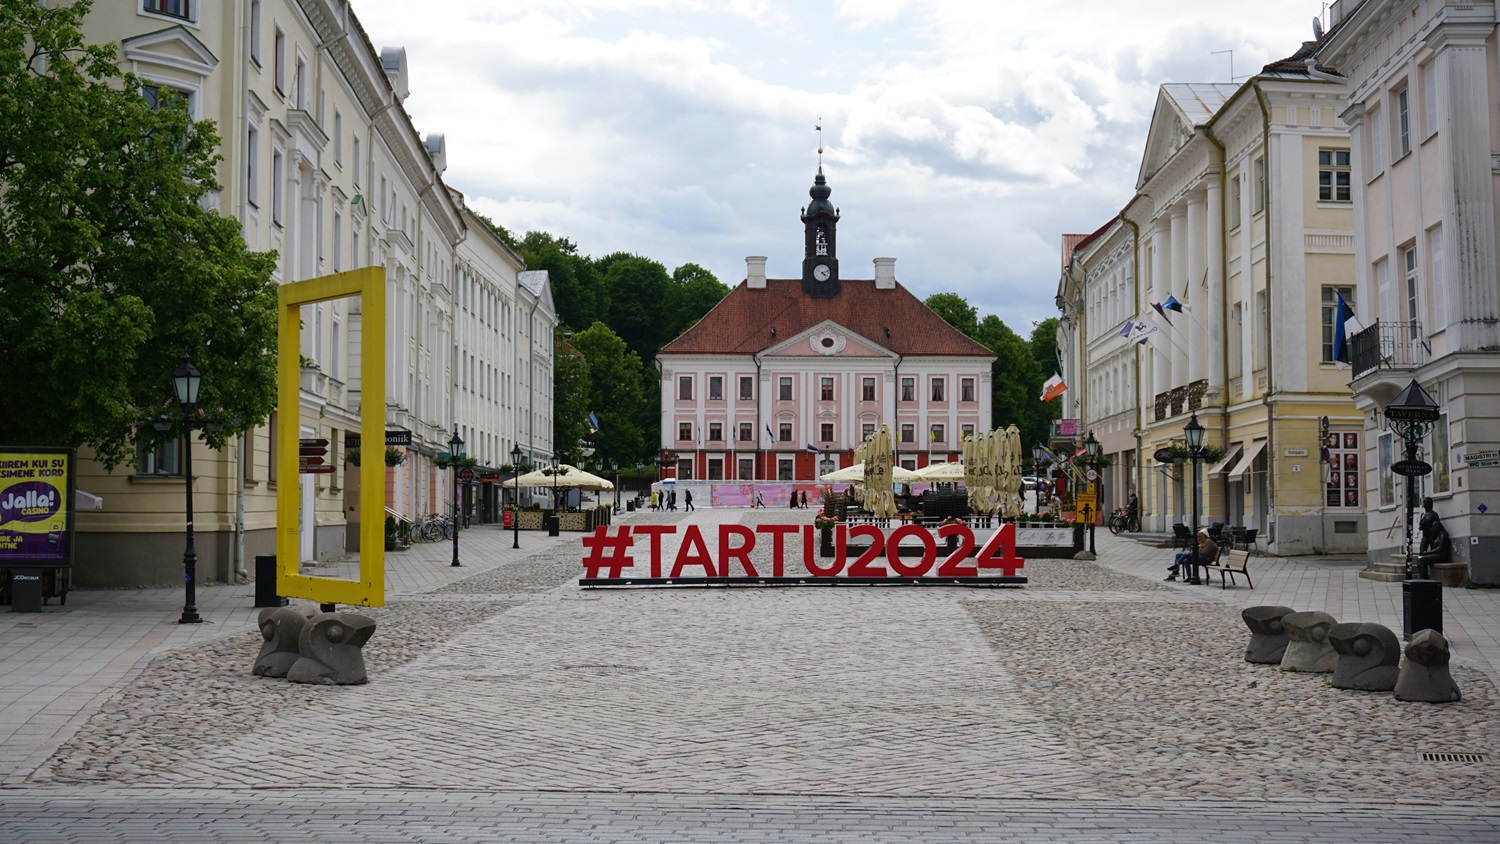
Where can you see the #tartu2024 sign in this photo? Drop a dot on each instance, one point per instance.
(633, 555)
(36, 506)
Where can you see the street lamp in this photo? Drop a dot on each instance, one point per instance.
(1091, 446)
(1411, 414)
(1038, 452)
(1193, 431)
(454, 444)
(556, 519)
(614, 464)
(515, 516)
(186, 379)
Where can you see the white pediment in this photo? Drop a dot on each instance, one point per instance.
(172, 47)
(829, 339)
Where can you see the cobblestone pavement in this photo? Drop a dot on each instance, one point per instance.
(507, 704)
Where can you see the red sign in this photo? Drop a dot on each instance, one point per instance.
(611, 556)
(509, 515)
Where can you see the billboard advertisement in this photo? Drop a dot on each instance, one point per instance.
(36, 506)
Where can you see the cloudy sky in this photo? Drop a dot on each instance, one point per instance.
(961, 137)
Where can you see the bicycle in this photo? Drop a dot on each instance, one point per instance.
(1124, 520)
(434, 528)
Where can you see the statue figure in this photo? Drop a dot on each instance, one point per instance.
(330, 644)
(1307, 648)
(1424, 674)
(281, 627)
(1436, 546)
(1268, 637)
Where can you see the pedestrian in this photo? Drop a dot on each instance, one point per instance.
(672, 500)
(794, 499)
(759, 502)
(804, 499)
(654, 503)
(687, 500)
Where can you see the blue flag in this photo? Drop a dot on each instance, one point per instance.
(1345, 325)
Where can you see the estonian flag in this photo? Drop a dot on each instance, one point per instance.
(812, 448)
(593, 423)
(769, 433)
(1173, 305)
(1161, 313)
(1345, 325)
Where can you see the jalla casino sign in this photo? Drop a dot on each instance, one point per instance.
(36, 506)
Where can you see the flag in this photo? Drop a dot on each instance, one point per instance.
(1053, 388)
(1162, 313)
(1127, 329)
(1139, 331)
(814, 449)
(1345, 325)
(769, 433)
(593, 423)
(1172, 304)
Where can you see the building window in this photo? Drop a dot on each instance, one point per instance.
(278, 179)
(252, 167)
(1413, 295)
(162, 459)
(1386, 448)
(937, 433)
(685, 388)
(1402, 123)
(278, 59)
(716, 432)
(299, 83)
(716, 468)
(255, 31)
(908, 433)
(1330, 313)
(338, 137)
(747, 469)
(1344, 484)
(937, 390)
(1236, 197)
(966, 389)
(747, 388)
(171, 8)
(1262, 335)
(1429, 97)
(715, 388)
(1259, 197)
(747, 431)
(784, 469)
(867, 389)
(785, 388)
(966, 432)
(1376, 120)
(825, 389)
(1437, 319)
(684, 431)
(1333, 175)
(355, 148)
(685, 469)
(1441, 459)
(785, 429)
(825, 432)
(867, 430)
(338, 241)
(908, 389)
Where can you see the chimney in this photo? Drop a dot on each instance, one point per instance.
(755, 272)
(885, 273)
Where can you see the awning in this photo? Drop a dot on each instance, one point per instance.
(1230, 456)
(1248, 461)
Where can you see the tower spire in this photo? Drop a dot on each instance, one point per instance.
(819, 127)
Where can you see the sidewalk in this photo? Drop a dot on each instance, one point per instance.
(57, 667)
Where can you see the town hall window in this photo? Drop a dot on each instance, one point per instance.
(786, 432)
(685, 388)
(684, 431)
(786, 388)
(966, 389)
(747, 430)
(1333, 175)
(747, 388)
(825, 391)
(937, 390)
(715, 388)
(715, 432)
(908, 389)
(867, 390)
(825, 432)
(908, 433)
(938, 434)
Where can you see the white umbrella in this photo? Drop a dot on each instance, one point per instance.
(940, 473)
(880, 475)
(856, 474)
(565, 477)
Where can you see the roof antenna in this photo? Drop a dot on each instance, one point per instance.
(1231, 61)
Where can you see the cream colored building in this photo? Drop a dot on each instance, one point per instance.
(321, 164)
(1242, 214)
(1423, 107)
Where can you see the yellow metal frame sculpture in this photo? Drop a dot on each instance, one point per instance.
(369, 590)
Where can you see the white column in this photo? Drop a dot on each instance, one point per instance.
(1177, 286)
(1161, 344)
(1197, 269)
(1213, 313)
(1469, 193)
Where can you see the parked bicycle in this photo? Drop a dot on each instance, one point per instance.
(1124, 520)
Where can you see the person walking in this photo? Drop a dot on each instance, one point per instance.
(655, 504)
(687, 500)
(759, 502)
(672, 500)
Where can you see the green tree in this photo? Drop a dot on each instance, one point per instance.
(956, 311)
(1044, 353)
(570, 398)
(110, 267)
(636, 288)
(615, 395)
(575, 283)
(694, 292)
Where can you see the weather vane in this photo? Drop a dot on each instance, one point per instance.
(819, 127)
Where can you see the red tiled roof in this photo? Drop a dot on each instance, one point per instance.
(1084, 241)
(741, 323)
(1070, 241)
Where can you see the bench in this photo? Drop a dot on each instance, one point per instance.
(1230, 564)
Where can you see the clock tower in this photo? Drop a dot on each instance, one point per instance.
(820, 263)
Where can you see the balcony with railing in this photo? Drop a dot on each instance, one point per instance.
(1399, 346)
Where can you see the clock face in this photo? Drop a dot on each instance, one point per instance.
(821, 272)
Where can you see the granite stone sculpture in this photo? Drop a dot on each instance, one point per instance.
(1267, 633)
(331, 645)
(1307, 647)
(282, 629)
(1369, 656)
(1424, 675)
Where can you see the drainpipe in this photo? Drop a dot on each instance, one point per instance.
(1222, 316)
(1267, 397)
(760, 455)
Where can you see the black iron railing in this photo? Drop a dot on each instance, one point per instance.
(1388, 345)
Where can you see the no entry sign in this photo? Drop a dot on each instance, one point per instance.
(634, 556)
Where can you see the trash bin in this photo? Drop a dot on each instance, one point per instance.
(265, 582)
(630, 506)
(1423, 600)
(553, 527)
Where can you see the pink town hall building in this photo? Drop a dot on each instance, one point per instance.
(784, 377)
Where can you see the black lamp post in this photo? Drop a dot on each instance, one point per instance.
(1411, 414)
(515, 516)
(615, 465)
(185, 382)
(556, 517)
(1091, 446)
(454, 445)
(1193, 431)
(1038, 452)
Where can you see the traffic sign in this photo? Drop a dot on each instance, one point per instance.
(1087, 506)
(1092, 475)
(1411, 467)
(1481, 457)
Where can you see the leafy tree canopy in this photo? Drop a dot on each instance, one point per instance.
(111, 269)
(615, 395)
(570, 398)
